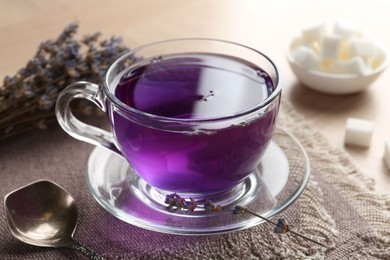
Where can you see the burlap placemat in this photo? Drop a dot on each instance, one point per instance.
(338, 208)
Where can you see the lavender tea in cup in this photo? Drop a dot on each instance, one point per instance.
(194, 87)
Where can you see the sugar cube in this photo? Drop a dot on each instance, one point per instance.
(345, 50)
(346, 30)
(330, 47)
(307, 57)
(364, 48)
(355, 65)
(316, 47)
(314, 33)
(378, 59)
(386, 155)
(358, 132)
(296, 42)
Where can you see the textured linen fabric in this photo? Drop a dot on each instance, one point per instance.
(338, 208)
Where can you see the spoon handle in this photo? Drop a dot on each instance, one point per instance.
(86, 251)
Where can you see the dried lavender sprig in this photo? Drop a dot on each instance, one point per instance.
(177, 203)
(282, 224)
(33, 90)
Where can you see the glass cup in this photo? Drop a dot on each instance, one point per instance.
(200, 154)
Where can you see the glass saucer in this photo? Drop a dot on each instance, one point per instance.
(276, 183)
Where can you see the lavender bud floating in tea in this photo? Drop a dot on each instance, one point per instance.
(27, 99)
(176, 203)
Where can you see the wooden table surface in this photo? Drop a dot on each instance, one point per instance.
(267, 25)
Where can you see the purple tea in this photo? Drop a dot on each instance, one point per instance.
(196, 86)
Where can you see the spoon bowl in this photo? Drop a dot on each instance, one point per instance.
(44, 214)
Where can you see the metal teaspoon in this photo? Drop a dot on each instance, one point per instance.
(44, 214)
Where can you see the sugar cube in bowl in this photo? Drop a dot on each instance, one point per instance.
(338, 61)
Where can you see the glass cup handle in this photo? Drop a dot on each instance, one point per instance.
(75, 127)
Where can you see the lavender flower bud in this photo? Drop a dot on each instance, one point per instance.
(190, 205)
(210, 206)
(239, 210)
(281, 226)
(27, 91)
(45, 102)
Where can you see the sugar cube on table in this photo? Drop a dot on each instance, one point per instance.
(307, 57)
(386, 155)
(358, 132)
(355, 65)
(314, 33)
(330, 47)
(346, 30)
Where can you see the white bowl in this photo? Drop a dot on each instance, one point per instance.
(338, 84)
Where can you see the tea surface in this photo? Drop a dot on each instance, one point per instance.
(194, 86)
